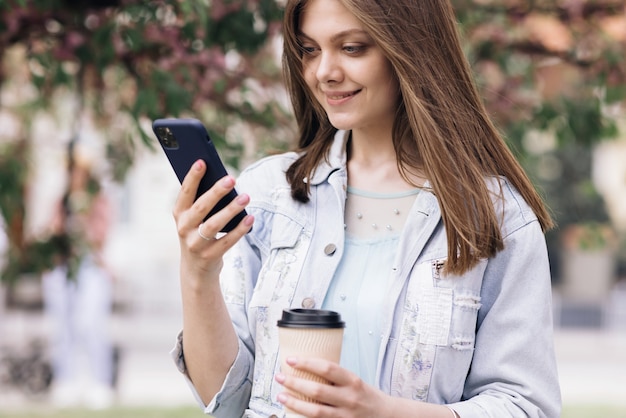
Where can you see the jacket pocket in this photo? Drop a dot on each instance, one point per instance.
(428, 306)
(425, 325)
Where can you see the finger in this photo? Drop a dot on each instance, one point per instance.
(217, 221)
(225, 241)
(320, 391)
(205, 237)
(342, 387)
(189, 188)
(307, 389)
(305, 408)
(228, 240)
(325, 369)
(207, 201)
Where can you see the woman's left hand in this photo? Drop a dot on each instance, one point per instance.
(346, 395)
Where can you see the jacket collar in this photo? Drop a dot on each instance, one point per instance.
(337, 158)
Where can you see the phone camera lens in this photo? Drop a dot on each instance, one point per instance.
(166, 136)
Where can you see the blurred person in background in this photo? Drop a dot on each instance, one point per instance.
(78, 292)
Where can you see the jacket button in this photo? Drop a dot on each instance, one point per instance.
(308, 303)
(273, 416)
(330, 249)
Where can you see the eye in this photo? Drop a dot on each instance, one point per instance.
(308, 50)
(354, 49)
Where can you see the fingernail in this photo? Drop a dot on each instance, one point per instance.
(280, 378)
(282, 397)
(248, 220)
(198, 165)
(242, 199)
(291, 361)
(227, 181)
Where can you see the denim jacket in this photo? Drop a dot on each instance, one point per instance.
(481, 342)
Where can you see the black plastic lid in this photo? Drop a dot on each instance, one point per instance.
(310, 318)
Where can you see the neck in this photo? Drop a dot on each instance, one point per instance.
(373, 165)
(372, 148)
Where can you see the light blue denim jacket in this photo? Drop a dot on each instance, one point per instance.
(481, 343)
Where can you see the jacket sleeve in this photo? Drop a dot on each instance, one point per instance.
(230, 401)
(513, 371)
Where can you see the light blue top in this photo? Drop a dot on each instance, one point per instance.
(358, 292)
(361, 282)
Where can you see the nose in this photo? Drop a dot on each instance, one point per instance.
(328, 68)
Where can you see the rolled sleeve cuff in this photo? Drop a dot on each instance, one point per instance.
(467, 409)
(232, 398)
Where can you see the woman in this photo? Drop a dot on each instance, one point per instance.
(403, 210)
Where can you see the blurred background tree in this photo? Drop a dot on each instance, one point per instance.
(552, 74)
(133, 61)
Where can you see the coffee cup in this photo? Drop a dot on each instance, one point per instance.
(309, 333)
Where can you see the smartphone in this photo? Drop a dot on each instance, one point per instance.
(184, 142)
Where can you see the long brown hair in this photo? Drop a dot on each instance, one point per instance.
(441, 124)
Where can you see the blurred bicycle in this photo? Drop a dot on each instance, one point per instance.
(27, 369)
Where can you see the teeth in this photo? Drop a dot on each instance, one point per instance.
(339, 97)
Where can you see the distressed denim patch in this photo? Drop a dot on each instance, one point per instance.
(467, 301)
(463, 343)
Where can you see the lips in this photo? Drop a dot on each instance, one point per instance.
(339, 98)
(339, 95)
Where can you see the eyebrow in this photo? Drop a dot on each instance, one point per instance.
(338, 35)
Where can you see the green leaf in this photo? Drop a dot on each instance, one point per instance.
(102, 45)
(220, 86)
(132, 38)
(146, 103)
(615, 94)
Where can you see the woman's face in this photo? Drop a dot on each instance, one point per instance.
(345, 70)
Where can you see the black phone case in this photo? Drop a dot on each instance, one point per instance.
(193, 143)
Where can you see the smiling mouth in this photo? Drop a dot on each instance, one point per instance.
(342, 96)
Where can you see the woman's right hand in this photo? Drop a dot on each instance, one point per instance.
(201, 257)
(201, 262)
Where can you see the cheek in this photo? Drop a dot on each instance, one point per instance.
(311, 86)
(308, 73)
(314, 91)
(390, 88)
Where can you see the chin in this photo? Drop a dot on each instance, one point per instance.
(341, 123)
